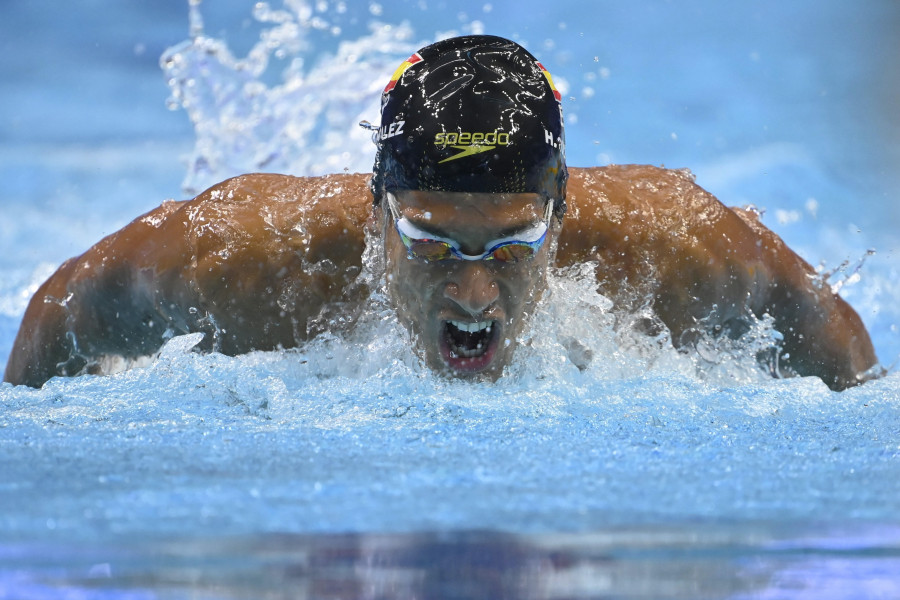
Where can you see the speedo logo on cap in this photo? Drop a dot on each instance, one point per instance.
(469, 143)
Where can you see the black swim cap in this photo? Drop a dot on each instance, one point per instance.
(472, 114)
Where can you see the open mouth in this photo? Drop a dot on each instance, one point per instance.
(469, 346)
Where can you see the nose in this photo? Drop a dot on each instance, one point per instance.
(472, 287)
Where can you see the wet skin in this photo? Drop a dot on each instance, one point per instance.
(263, 261)
(432, 298)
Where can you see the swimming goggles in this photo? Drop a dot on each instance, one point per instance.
(431, 248)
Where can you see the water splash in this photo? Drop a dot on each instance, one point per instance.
(306, 122)
(850, 273)
(575, 337)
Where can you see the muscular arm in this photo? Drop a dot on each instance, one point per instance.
(823, 335)
(654, 232)
(252, 262)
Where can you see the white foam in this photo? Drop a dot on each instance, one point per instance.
(352, 433)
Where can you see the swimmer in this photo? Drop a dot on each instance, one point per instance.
(473, 204)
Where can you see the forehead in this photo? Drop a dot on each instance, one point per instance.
(481, 210)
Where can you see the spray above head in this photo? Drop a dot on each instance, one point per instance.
(472, 114)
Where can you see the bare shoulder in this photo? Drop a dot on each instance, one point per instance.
(261, 210)
(286, 207)
(655, 230)
(270, 251)
(645, 222)
(252, 261)
(639, 200)
(339, 191)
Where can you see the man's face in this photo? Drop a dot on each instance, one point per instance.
(466, 315)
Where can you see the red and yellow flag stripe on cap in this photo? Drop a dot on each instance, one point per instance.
(546, 73)
(400, 70)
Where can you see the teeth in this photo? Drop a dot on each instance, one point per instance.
(459, 347)
(472, 327)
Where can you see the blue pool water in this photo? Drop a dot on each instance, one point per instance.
(344, 470)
